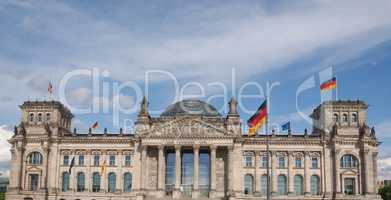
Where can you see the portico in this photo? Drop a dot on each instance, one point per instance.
(178, 169)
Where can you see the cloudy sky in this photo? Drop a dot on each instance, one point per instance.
(206, 42)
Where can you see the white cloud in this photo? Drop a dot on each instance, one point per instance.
(5, 134)
(384, 168)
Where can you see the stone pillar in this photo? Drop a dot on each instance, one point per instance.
(212, 171)
(307, 163)
(291, 160)
(230, 170)
(273, 182)
(45, 170)
(257, 177)
(177, 190)
(16, 169)
(161, 171)
(196, 149)
(143, 167)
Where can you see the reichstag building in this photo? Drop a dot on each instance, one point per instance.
(191, 151)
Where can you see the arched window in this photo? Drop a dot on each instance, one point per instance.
(127, 182)
(281, 185)
(65, 181)
(298, 184)
(354, 117)
(80, 182)
(348, 161)
(95, 182)
(48, 117)
(39, 117)
(335, 117)
(345, 118)
(35, 158)
(111, 182)
(31, 117)
(314, 185)
(248, 184)
(264, 184)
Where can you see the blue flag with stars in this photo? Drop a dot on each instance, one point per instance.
(286, 126)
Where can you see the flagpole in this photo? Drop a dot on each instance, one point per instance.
(267, 149)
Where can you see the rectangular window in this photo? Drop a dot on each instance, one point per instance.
(33, 182)
(298, 163)
(281, 162)
(128, 160)
(66, 160)
(112, 160)
(248, 159)
(314, 163)
(81, 160)
(96, 160)
(264, 162)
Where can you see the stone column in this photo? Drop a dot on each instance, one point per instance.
(45, 170)
(291, 160)
(177, 190)
(230, 170)
(143, 167)
(161, 171)
(16, 169)
(212, 171)
(196, 149)
(257, 177)
(273, 182)
(307, 163)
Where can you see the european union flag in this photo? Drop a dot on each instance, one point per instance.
(286, 126)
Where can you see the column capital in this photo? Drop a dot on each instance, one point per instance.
(160, 147)
(178, 147)
(213, 147)
(196, 147)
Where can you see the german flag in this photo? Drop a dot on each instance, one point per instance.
(257, 120)
(328, 85)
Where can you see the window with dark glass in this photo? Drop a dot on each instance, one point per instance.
(127, 182)
(248, 159)
(264, 161)
(298, 163)
(111, 182)
(354, 117)
(281, 185)
(314, 163)
(81, 160)
(348, 161)
(80, 182)
(31, 117)
(48, 117)
(65, 181)
(95, 182)
(40, 117)
(34, 178)
(66, 160)
(248, 184)
(96, 160)
(112, 160)
(128, 160)
(298, 185)
(35, 158)
(281, 162)
(314, 185)
(264, 184)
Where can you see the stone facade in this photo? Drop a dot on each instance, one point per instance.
(337, 160)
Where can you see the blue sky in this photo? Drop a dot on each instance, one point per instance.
(199, 41)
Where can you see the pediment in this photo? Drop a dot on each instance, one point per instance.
(349, 172)
(186, 128)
